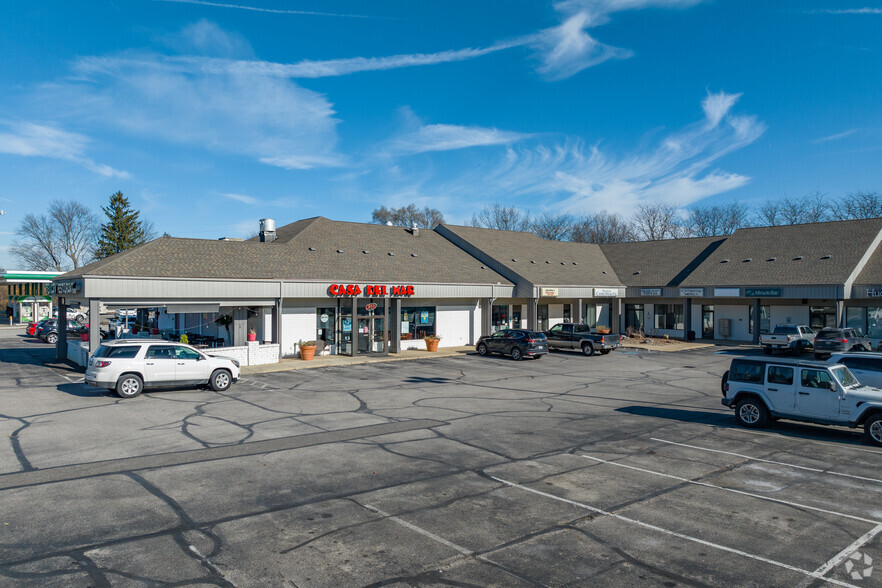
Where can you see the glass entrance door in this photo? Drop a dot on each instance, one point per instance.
(325, 327)
(371, 335)
(707, 322)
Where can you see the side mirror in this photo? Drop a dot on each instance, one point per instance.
(831, 385)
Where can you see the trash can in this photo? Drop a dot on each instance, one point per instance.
(690, 335)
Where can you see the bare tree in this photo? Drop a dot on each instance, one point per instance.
(60, 240)
(602, 227)
(856, 205)
(718, 219)
(657, 221)
(504, 218)
(408, 216)
(789, 210)
(553, 227)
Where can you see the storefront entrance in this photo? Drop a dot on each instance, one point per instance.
(707, 322)
(371, 333)
(326, 328)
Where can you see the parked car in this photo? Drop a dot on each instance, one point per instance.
(48, 331)
(866, 366)
(129, 366)
(581, 337)
(809, 391)
(517, 343)
(32, 327)
(74, 314)
(830, 340)
(793, 338)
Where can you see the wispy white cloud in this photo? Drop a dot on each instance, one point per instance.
(571, 176)
(567, 49)
(440, 137)
(38, 140)
(244, 112)
(259, 9)
(835, 137)
(846, 11)
(241, 198)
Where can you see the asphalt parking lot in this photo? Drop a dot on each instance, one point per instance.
(462, 471)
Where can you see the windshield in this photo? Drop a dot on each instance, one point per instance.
(845, 377)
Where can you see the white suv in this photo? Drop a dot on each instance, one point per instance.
(128, 366)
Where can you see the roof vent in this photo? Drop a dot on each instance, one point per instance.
(748, 260)
(797, 258)
(312, 248)
(483, 267)
(267, 230)
(772, 259)
(391, 254)
(413, 254)
(365, 251)
(563, 263)
(637, 272)
(574, 263)
(725, 261)
(514, 259)
(531, 261)
(415, 230)
(546, 261)
(339, 251)
(828, 256)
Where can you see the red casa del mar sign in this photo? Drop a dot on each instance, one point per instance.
(373, 291)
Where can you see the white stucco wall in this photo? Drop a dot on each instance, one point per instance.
(298, 322)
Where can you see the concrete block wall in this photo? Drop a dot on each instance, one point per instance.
(78, 352)
(240, 354)
(297, 323)
(262, 353)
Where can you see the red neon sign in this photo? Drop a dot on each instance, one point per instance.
(377, 291)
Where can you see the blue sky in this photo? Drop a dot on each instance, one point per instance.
(211, 115)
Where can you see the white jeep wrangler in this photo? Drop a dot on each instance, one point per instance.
(809, 391)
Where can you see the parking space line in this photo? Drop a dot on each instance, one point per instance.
(419, 530)
(825, 443)
(781, 463)
(845, 553)
(742, 492)
(675, 533)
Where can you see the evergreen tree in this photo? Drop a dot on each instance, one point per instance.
(123, 229)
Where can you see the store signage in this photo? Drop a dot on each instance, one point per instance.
(64, 288)
(689, 292)
(371, 306)
(874, 292)
(371, 290)
(762, 292)
(730, 292)
(605, 292)
(650, 291)
(548, 292)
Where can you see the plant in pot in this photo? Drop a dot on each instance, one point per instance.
(252, 335)
(307, 350)
(603, 329)
(432, 342)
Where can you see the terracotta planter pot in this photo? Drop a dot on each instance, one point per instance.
(84, 336)
(603, 331)
(154, 331)
(307, 353)
(252, 336)
(432, 344)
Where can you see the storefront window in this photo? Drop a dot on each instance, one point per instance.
(634, 316)
(543, 317)
(856, 318)
(874, 323)
(417, 322)
(500, 317)
(567, 318)
(668, 316)
(821, 317)
(589, 314)
(765, 319)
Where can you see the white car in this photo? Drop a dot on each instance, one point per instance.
(129, 366)
(866, 366)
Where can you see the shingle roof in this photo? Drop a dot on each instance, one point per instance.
(541, 261)
(872, 272)
(659, 263)
(364, 256)
(808, 254)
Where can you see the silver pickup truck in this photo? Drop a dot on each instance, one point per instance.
(582, 338)
(793, 338)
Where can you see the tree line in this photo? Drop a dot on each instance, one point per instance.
(653, 221)
(69, 235)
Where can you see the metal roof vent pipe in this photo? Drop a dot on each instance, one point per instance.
(415, 230)
(267, 230)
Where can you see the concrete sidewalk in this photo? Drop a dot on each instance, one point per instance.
(293, 363)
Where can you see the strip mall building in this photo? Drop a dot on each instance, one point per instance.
(374, 289)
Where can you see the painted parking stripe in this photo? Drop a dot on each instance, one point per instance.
(419, 530)
(824, 443)
(781, 463)
(751, 494)
(625, 519)
(846, 553)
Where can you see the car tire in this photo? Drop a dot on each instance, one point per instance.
(517, 354)
(52, 338)
(724, 381)
(588, 349)
(80, 318)
(751, 412)
(482, 350)
(873, 430)
(129, 386)
(220, 380)
(767, 350)
(605, 351)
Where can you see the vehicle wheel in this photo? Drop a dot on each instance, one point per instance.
(751, 412)
(605, 351)
(52, 338)
(767, 350)
(220, 380)
(482, 349)
(80, 318)
(873, 429)
(588, 349)
(129, 386)
(723, 382)
(858, 348)
(517, 354)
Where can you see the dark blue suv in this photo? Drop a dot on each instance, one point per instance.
(518, 343)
